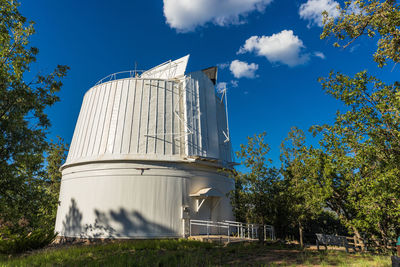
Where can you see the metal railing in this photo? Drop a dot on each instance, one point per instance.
(231, 228)
(121, 75)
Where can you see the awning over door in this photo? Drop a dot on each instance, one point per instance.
(207, 192)
(204, 194)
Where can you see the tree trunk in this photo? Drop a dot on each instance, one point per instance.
(361, 240)
(301, 234)
(383, 235)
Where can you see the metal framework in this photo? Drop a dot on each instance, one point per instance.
(234, 229)
(120, 75)
(225, 96)
(176, 113)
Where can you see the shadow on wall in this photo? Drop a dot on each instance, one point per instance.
(73, 220)
(127, 224)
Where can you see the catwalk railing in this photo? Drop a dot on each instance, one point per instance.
(231, 229)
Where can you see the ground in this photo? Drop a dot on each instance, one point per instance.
(188, 253)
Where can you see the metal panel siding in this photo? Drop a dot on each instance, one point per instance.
(160, 113)
(128, 117)
(169, 114)
(84, 124)
(91, 121)
(127, 131)
(144, 119)
(100, 124)
(96, 121)
(224, 147)
(206, 119)
(136, 117)
(114, 119)
(121, 117)
(73, 147)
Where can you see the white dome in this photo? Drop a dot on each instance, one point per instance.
(142, 147)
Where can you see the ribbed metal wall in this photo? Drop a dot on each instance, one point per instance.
(151, 119)
(128, 117)
(206, 119)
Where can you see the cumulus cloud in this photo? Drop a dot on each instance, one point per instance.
(241, 69)
(312, 11)
(186, 15)
(283, 47)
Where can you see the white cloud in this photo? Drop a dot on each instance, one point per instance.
(223, 65)
(283, 47)
(221, 86)
(354, 48)
(319, 54)
(312, 11)
(241, 69)
(186, 15)
(354, 8)
(234, 83)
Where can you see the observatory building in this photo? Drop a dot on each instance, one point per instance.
(150, 151)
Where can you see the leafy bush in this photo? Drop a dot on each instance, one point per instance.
(11, 243)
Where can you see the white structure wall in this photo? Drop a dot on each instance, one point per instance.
(140, 148)
(114, 200)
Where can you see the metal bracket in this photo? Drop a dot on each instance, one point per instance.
(199, 204)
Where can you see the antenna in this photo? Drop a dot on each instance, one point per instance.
(135, 69)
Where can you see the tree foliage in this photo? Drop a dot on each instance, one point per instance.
(303, 197)
(372, 18)
(355, 170)
(360, 154)
(24, 124)
(257, 189)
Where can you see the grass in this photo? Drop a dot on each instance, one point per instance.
(187, 253)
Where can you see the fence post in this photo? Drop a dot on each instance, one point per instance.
(228, 234)
(190, 227)
(208, 233)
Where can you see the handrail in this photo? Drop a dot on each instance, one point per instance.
(113, 76)
(244, 230)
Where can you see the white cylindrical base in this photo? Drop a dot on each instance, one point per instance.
(138, 199)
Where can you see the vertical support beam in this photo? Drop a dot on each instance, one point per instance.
(265, 232)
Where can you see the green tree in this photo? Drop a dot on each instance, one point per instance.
(302, 196)
(360, 151)
(23, 123)
(57, 154)
(372, 18)
(261, 184)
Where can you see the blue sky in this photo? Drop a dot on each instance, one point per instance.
(272, 78)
